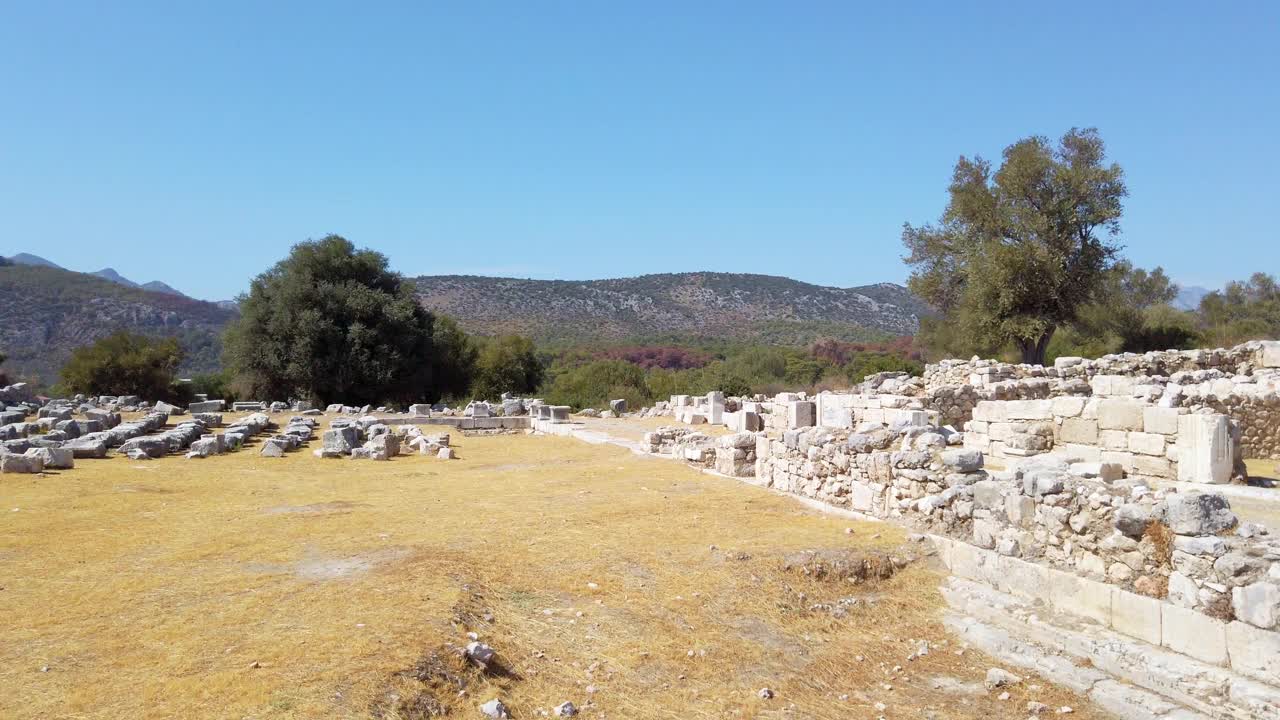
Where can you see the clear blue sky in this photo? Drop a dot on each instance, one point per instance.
(579, 140)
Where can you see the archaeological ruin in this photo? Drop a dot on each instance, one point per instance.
(1086, 512)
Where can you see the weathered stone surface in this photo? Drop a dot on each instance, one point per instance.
(1204, 449)
(1254, 653)
(1192, 633)
(1197, 513)
(207, 406)
(15, 463)
(962, 460)
(54, 458)
(153, 446)
(340, 439)
(1257, 604)
(1079, 430)
(1120, 415)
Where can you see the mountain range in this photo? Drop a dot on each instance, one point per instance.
(104, 273)
(733, 306)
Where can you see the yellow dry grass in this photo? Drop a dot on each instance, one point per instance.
(246, 587)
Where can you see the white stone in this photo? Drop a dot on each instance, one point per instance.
(1257, 604)
(1136, 615)
(1119, 415)
(1204, 449)
(1193, 633)
(1163, 421)
(1146, 443)
(1254, 653)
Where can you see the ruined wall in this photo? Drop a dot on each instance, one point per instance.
(1176, 555)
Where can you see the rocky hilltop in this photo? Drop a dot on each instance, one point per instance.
(46, 312)
(706, 304)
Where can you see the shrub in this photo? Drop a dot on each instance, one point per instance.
(595, 384)
(125, 364)
(507, 364)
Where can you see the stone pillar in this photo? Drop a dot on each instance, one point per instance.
(715, 407)
(559, 414)
(1204, 449)
(800, 413)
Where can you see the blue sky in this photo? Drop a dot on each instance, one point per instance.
(579, 140)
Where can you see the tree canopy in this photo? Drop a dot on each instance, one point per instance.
(331, 323)
(507, 364)
(124, 363)
(1020, 250)
(1241, 311)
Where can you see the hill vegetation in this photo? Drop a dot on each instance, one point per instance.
(758, 308)
(48, 312)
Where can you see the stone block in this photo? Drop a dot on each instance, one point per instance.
(1193, 633)
(1160, 420)
(1152, 466)
(1075, 452)
(1257, 604)
(14, 463)
(1024, 579)
(1114, 439)
(990, 411)
(1123, 458)
(1068, 406)
(1079, 596)
(1197, 513)
(55, 458)
(207, 406)
(1029, 409)
(1078, 430)
(801, 413)
(1135, 615)
(1142, 443)
(1204, 449)
(1269, 354)
(1120, 415)
(1254, 653)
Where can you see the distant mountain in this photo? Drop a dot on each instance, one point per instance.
(46, 312)
(1189, 297)
(29, 259)
(115, 277)
(701, 304)
(157, 286)
(104, 273)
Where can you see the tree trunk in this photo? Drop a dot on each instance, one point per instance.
(1033, 352)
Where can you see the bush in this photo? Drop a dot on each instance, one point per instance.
(125, 364)
(215, 386)
(595, 384)
(507, 364)
(867, 364)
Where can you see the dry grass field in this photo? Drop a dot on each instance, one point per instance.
(247, 587)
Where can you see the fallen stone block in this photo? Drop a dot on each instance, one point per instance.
(53, 458)
(14, 463)
(1197, 513)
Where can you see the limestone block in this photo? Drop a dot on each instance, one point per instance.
(1204, 449)
(1255, 653)
(1114, 439)
(1197, 513)
(56, 458)
(1161, 420)
(1152, 466)
(1078, 430)
(1135, 615)
(1257, 604)
(1269, 356)
(1074, 452)
(1111, 385)
(1120, 415)
(14, 463)
(1142, 443)
(1123, 458)
(801, 413)
(1193, 633)
(1026, 579)
(1073, 594)
(990, 411)
(1029, 409)
(1068, 406)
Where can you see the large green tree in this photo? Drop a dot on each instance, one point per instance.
(1020, 250)
(124, 363)
(507, 364)
(331, 323)
(1242, 311)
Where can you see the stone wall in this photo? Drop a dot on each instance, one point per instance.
(1184, 549)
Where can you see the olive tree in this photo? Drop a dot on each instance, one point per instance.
(1019, 250)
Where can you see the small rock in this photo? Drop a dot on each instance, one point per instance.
(1003, 695)
(765, 694)
(1000, 678)
(479, 653)
(566, 709)
(494, 709)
